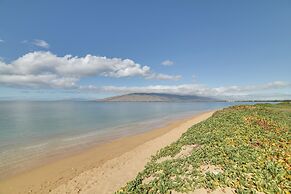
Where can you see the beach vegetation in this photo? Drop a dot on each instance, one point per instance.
(246, 148)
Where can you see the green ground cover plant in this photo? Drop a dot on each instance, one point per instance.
(249, 143)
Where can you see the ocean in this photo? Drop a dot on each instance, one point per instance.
(32, 133)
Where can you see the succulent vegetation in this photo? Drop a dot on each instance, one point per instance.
(249, 143)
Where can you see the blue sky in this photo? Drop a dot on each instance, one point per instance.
(234, 49)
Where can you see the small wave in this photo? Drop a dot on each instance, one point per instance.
(79, 137)
(35, 146)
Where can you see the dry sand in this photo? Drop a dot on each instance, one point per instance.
(102, 169)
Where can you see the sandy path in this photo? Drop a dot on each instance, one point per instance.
(116, 172)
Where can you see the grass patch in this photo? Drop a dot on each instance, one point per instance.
(250, 144)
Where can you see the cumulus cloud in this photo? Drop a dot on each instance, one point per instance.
(41, 68)
(46, 70)
(167, 63)
(40, 43)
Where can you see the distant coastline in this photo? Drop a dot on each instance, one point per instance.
(164, 97)
(159, 97)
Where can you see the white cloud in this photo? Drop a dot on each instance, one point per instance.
(48, 80)
(40, 43)
(46, 70)
(37, 42)
(193, 89)
(161, 76)
(38, 69)
(167, 63)
(1, 40)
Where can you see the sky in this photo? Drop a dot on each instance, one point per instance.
(94, 49)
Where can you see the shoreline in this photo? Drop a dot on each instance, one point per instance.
(59, 176)
(85, 145)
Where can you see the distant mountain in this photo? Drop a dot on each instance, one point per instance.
(157, 97)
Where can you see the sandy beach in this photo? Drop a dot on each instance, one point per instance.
(102, 169)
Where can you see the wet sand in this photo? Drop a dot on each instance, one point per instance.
(101, 169)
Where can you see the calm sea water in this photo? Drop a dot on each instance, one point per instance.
(32, 132)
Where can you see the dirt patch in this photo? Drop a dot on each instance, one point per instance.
(148, 180)
(190, 168)
(226, 190)
(160, 160)
(211, 169)
(152, 177)
(186, 151)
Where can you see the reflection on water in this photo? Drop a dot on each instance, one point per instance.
(33, 131)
